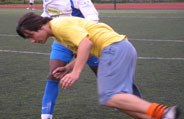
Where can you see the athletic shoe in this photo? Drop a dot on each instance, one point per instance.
(171, 113)
(28, 8)
(46, 116)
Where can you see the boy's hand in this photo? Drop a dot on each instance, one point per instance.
(60, 72)
(68, 80)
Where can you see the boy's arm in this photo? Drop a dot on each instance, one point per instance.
(83, 53)
(60, 72)
(88, 9)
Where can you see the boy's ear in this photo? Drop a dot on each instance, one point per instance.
(28, 33)
(43, 27)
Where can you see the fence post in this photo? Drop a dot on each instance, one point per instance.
(114, 4)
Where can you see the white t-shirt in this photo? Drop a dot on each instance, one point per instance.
(62, 8)
(31, 1)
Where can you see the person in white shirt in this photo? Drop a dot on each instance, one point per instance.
(60, 55)
(31, 5)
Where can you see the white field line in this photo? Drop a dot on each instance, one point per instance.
(40, 53)
(156, 40)
(143, 58)
(159, 58)
(8, 35)
(144, 17)
(24, 52)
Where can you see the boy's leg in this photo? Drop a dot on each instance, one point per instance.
(129, 103)
(116, 82)
(49, 99)
(142, 109)
(59, 57)
(93, 63)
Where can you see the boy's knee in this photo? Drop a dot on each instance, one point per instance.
(51, 77)
(109, 103)
(105, 99)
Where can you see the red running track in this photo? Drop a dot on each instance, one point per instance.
(165, 6)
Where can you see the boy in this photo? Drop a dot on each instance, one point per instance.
(117, 56)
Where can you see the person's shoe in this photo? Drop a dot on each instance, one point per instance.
(46, 116)
(171, 113)
(28, 8)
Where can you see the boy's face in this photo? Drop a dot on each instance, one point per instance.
(39, 36)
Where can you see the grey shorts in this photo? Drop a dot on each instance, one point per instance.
(116, 71)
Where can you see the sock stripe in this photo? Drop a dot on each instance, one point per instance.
(156, 110)
(161, 112)
(151, 108)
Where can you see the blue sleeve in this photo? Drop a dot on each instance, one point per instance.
(76, 12)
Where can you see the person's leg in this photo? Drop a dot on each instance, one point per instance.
(116, 82)
(49, 98)
(32, 4)
(132, 104)
(142, 109)
(93, 63)
(59, 57)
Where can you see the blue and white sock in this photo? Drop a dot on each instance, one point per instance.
(49, 99)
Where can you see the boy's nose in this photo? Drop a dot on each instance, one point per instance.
(32, 40)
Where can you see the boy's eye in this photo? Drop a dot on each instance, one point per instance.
(28, 35)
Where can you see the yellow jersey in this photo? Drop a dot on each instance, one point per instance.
(70, 31)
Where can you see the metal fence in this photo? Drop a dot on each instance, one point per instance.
(95, 1)
(19, 1)
(134, 1)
